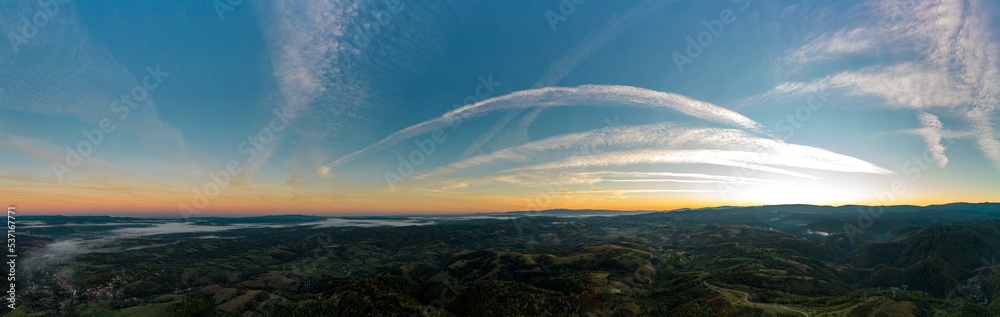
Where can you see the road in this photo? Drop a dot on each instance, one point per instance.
(746, 298)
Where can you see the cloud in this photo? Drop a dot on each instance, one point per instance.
(640, 176)
(173, 227)
(305, 42)
(564, 178)
(561, 67)
(665, 143)
(624, 193)
(604, 139)
(61, 71)
(35, 148)
(588, 95)
(948, 57)
(324, 171)
(834, 45)
(597, 40)
(592, 157)
(333, 61)
(492, 132)
(45, 151)
(980, 119)
(739, 159)
(931, 133)
(907, 85)
(348, 222)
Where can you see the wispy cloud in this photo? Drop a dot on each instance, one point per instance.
(738, 159)
(61, 71)
(45, 151)
(305, 42)
(588, 95)
(562, 66)
(931, 133)
(834, 45)
(615, 156)
(981, 120)
(329, 56)
(493, 131)
(626, 193)
(534, 178)
(666, 143)
(948, 58)
(347, 222)
(903, 85)
(304, 39)
(608, 96)
(640, 176)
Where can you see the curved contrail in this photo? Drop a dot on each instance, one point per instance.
(565, 64)
(663, 143)
(588, 95)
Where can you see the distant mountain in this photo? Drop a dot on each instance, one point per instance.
(936, 259)
(75, 219)
(284, 219)
(983, 207)
(786, 260)
(834, 223)
(574, 212)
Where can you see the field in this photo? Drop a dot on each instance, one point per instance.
(712, 262)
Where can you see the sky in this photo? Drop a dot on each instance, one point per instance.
(395, 106)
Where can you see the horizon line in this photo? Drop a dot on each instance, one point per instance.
(411, 214)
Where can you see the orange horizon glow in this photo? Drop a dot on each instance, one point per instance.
(64, 204)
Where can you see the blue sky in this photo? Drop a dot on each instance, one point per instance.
(540, 104)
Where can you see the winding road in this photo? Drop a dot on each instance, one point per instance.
(746, 298)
